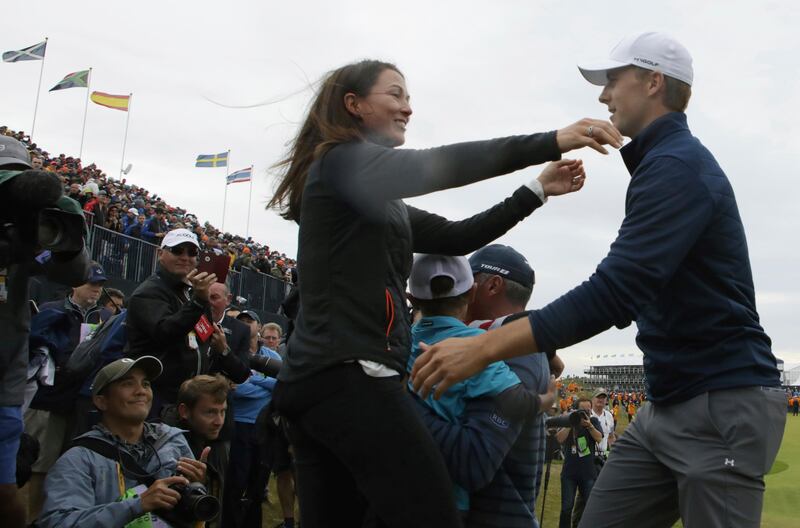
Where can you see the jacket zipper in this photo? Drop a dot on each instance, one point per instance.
(390, 317)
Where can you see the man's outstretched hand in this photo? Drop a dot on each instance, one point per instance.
(444, 364)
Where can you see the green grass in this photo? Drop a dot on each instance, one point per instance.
(781, 500)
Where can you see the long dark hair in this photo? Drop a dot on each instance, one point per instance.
(328, 124)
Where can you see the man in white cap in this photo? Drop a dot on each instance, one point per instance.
(169, 317)
(680, 268)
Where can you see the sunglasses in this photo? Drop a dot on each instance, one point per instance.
(179, 251)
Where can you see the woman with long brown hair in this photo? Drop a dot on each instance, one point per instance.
(359, 445)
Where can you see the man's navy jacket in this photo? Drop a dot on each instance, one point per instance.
(679, 268)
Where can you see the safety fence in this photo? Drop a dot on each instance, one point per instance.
(132, 259)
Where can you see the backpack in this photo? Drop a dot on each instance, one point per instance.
(102, 346)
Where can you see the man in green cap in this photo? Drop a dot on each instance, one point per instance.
(94, 483)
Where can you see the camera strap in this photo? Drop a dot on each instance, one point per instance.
(130, 467)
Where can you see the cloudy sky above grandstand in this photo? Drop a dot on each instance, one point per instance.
(475, 70)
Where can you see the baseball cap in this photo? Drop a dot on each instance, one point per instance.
(179, 236)
(497, 259)
(649, 50)
(13, 153)
(600, 392)
(427, 267)
(133, 211)
(96, 274)
(117, 369)
(251, 314)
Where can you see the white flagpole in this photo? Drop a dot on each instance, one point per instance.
(249, 201)
(38, 90)
(86, 111)
(225, 196)
(125, 141)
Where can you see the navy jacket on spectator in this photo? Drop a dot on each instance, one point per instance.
(497, 459)
(61, 396)
(151, 228)
(680, 268)
(161, 314)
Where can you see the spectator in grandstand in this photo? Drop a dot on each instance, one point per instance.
(578, 472)
(341, 378)
(113, 221)
(100, 208)
(56, 412)
(135, 227)
(244, 261)
(155, 227)
(682, 244)
(74, 192)
(88, 486)
(36, 162)
(202, 408)
(167, 315)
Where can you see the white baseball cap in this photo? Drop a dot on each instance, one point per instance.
(179, 236)
(427, 267)
(650, 50)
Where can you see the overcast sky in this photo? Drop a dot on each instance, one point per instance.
(475, 70)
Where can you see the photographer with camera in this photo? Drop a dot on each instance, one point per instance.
(41, 233)
(126, 469)
(579, 435)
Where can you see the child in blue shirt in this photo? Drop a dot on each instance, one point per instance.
(441, 288)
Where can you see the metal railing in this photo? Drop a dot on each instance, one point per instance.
(132, 259)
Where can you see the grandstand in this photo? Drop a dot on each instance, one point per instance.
(617, 371)
(259, 277)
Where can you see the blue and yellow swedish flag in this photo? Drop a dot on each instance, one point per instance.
(212, 160)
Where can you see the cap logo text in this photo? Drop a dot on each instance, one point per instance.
(645, 61)
(495, 268)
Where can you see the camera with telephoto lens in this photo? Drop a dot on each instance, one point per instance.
(195, 505)
(266, 365)
(32, 218)
(572, 419)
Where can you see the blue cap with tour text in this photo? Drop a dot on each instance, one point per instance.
(504, 261)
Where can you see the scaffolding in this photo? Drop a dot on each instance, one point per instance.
(618, 378)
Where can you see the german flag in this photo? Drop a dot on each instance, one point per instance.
(117, 102)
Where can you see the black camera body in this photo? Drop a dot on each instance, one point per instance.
(31, 219)
(194, 505)
(571, 419)
(268, 366)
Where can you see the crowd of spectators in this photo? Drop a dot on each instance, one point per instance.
(136, 212)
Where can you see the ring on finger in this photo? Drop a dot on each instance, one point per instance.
(589, 131)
